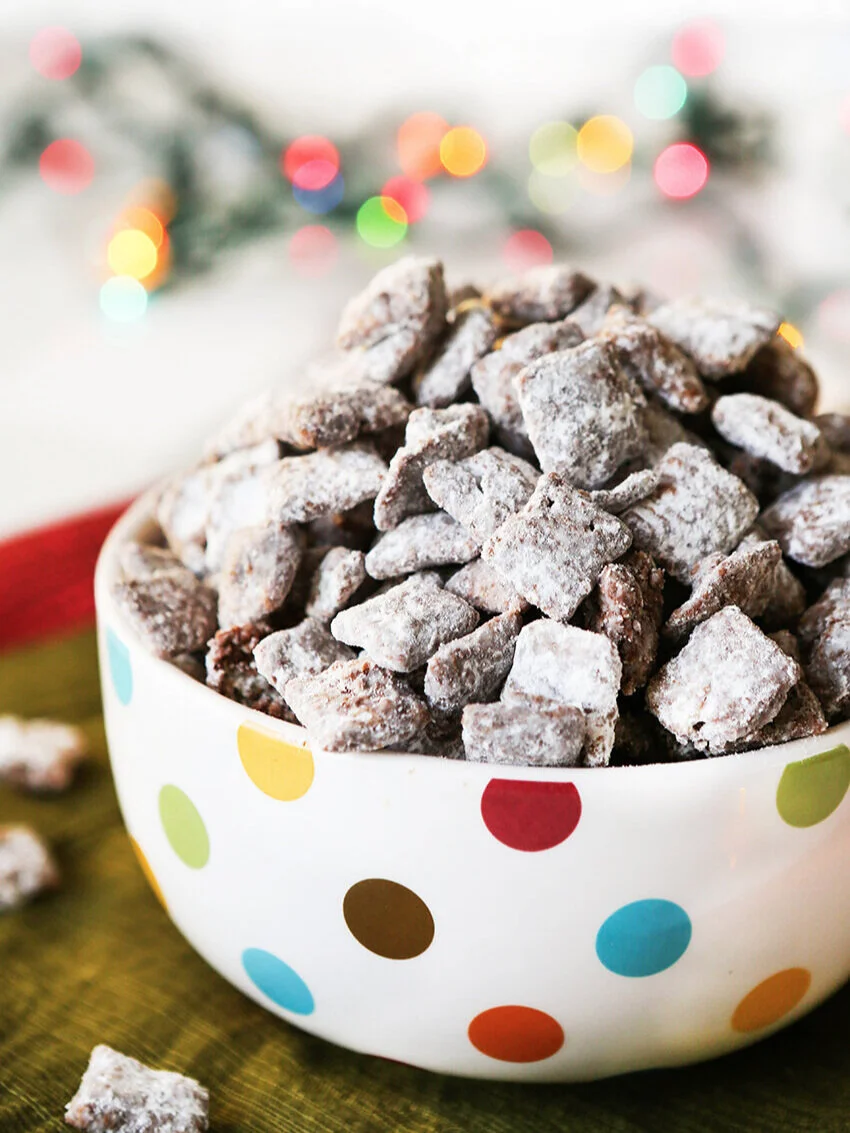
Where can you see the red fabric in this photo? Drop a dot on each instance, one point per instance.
(46, 577)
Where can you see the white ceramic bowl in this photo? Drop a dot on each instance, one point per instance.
(545, 925)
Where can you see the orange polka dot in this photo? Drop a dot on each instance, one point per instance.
(771, 1000)
(282, 771)
(148, 872)
(516, 1034)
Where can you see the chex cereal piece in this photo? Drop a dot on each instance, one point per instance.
(800, 716)
(540, 295)
(173, 613)
(780, 372)
(237, 498)
(768, 430)
(474, 667)
(835, 427)
(432, 434)
(420, 542)
(812, 520)
(663, 430)
(483, 490)
(553, 550)
(117, 1094)
(629, 491)
(232, 670)
(534, 733)
(745, 579)
(140, 562)
(404, 626)
(825, 635)
(446, 376)
(260, 565)
(698, 508)
(250, 426)
(728, 681)
(787, 642)
(721, 335)
(301, 488)
(627, 607)
(483, 587)
(590, 315)
(300, 651)
(335, 416)
(570, 666)
(337, 577)
(653, 361)
(357, 705)
(26, 866)
(493, 377)
(441, 737)
(39, 755)
(788, 597)
(582, 413)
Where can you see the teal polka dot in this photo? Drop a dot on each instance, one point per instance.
(119, 667)
(278, 981)
(644, 938)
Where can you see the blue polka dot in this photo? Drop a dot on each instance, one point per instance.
(644, 938)
(278, 981)
(119, 667)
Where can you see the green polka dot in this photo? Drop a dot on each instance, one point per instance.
(811, 789)
(184, 827)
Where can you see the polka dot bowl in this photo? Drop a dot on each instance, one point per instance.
(540, 925)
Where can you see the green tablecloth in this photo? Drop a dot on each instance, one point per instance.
(100, 962)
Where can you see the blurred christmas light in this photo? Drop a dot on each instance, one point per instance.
(310, 162)
(698, 48)
(792, 335)
(552, 195)
(680, 171)
(381, 222)
(123, 299)
(413, 196)
(552, 148)
(313, 250)
(418, 142)
(322, 200)
(145, 221)
(526, 249)
(132, 253)
(157, 196)
(66, 166)
(55, 53)
(463, 152)
(660, 92)
(604, 143)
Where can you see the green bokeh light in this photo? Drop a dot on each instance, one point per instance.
(660, 92)
(377, 227)
(552, 149)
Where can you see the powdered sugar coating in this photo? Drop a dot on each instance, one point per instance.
(590, 314)
(232, 670)
(474, 667)
(800, 716)
(446, 376)
(768, 430)
(26, 866)
(481, 491)
(335, 416)
(173, 613)
(39, 755)
(629, 491)
(627, 607)
(540, 294)
(336, 579)
(420, 542)
(812, 520)
(300, 651)
(533, 733)
(745, 579)
(721, 335)
(825, 634)
(483, 587)
(260, 565)
(140, 562)
(301, 488)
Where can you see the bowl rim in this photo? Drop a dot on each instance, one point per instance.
(140, 514)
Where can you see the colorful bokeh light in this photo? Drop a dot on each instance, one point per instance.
(381, 222)
(418, 142)
(681, 171)
(123, 299)
(313, 250)
(155, 195)
(605, 144)
(66, 166)
(552, 148)
(323, 200)
(142, 219)
(55, 53)
(792, 335)
(552, 195)
(698, 48)
(132, 252)
(660, 92)
(310, 162)
(413, 196)
(463, 152)
(526, 249)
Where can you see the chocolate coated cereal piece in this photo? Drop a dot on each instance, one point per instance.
(663, 431)
(174, 613)
(446, 376)
(141, 562)
(800, 716)
(812, 520)
(540, 295)
(441, 737)
(483, 587)
(405, 625)
(432, 434)
(39, 755)
(232, 670)
(835, 427)
(653, 361)
(788, 598)
(26, 866)
(745, 579)
(357, 705)
(780, 372)
(418, 543)
(574, 667)
(787, 642)
(117, 1094)
(553, 550)
(463, 297)
(335, 416)
(728, 681)
(336, 579)
(250, 426)
(536, 733)
(300, 651)
(260, 565)
(301, 488)
(237, 498)
(474, 667)
(721, 335)
(590, 315)
(627, 607)
(582, 413)
(767, 430)
(629, 491)
(699, 508)
(825, 635)
(483, 490)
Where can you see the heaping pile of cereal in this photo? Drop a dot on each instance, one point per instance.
(551, 524)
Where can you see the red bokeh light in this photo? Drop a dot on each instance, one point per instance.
(526, 249)
(418, 141)
(680, 171)
(310, 162)
(698, 48)
(55, 53)
(66, 166)
(413, 196)
(313, 250)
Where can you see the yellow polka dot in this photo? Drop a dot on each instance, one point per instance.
(148, 872)
(281, 770)
(771, 1000)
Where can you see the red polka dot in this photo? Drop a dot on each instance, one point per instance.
(516, 1034)
(529, 815)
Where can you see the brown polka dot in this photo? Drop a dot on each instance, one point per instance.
(388, 919)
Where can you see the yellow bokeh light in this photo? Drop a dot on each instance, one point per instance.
(132, 253)
(144, 220)
(791, 334)
(604, 144)
(552, 149)
(463, 151)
